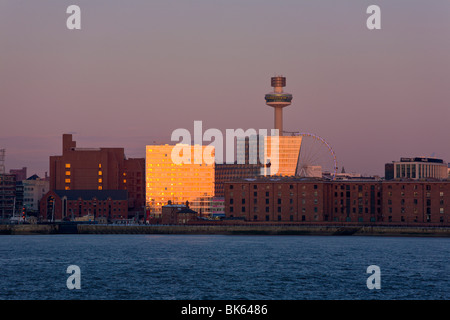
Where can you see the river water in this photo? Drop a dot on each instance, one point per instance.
(217, 267)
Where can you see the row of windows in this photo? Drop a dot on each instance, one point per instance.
(291, 218)
(279, 201)
(267, 209)
(255, 186)
(68, 165)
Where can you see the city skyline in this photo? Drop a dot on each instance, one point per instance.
(134, 74)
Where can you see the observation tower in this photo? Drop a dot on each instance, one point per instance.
(278, 100)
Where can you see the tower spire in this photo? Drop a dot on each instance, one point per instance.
(278, 100)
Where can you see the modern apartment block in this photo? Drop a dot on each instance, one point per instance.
(167, 180)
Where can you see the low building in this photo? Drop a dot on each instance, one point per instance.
(21, 174)
(109, 205)
(177, 214)
(417, 168)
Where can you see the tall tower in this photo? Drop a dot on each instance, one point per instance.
(278, 100)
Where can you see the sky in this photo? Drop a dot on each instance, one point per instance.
(138, 70)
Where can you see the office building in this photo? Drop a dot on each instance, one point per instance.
(166, 180)
(417, 168)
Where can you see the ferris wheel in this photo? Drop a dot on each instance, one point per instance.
(316, 158)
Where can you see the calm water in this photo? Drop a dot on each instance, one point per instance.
(191, 267)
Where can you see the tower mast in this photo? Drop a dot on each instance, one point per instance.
(278, 100)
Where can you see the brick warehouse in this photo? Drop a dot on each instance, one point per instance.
(318, 201)
(99, 169)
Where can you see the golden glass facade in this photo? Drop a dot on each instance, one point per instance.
(283, 163)
(178, 183)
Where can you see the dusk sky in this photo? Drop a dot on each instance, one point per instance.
(137, 70)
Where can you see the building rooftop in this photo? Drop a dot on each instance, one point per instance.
(100, 195)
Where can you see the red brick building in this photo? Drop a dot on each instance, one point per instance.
(177, 214)
(278, 199)
(98, 205)
(99, 169)
(320, 201)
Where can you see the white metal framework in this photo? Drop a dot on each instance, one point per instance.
(316, 156)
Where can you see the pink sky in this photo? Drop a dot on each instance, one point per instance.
(138, 71)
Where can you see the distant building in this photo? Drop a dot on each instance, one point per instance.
(218, 207)
(7, 195)
(229, 172)
(178, 183)
(99, 169)
(106, 205)
(417, 168)
(34, 188)
(21, 174)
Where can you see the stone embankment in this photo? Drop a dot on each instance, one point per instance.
(226, 230)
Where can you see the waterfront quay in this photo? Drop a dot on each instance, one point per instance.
(228, 229)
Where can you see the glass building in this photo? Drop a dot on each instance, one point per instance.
(167, 180)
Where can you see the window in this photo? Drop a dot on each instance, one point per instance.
(100, 180)
(243, 209)
(67, 173)
(67, 165)
(100, 173)
(100, 188)
(67, 180)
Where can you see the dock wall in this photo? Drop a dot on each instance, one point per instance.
(226, 230)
